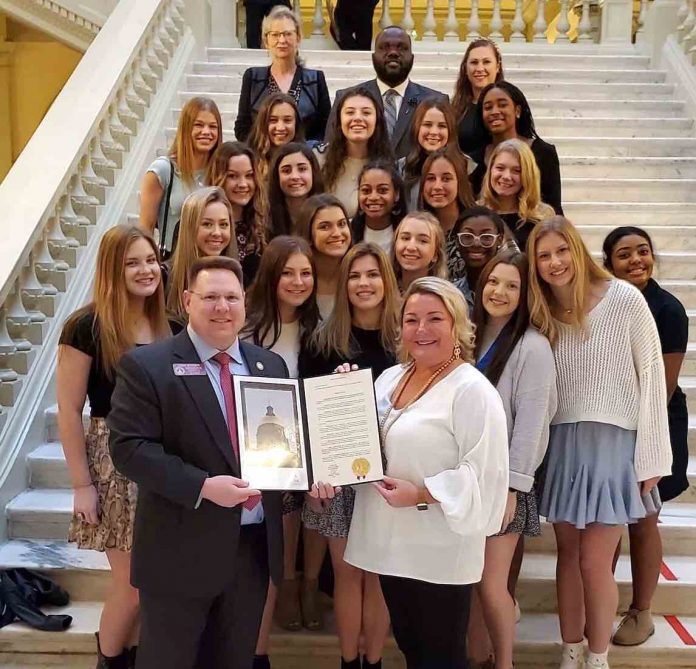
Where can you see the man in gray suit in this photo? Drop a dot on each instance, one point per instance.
(393, 61)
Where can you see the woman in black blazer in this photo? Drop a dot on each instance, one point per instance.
(281, 35)
(505, 114)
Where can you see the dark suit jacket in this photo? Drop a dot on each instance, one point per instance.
(168, 434)
(414, 94)
(314, 104)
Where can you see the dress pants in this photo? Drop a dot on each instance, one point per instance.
(256, 10)
(429, 621)
(354, 22)
(209, 633)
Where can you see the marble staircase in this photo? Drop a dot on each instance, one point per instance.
(627, 147)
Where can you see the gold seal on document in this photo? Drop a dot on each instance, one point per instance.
(361, 468)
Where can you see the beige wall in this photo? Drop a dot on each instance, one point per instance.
(33, 70)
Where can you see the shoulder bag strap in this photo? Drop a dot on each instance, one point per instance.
(165, 220)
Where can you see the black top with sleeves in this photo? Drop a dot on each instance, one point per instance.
(520, 229)
(369, 352)
(311, 95)
(549, 170)
(673, 328)
(472, 134)
(85, 338)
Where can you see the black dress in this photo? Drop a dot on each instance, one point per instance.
(308, 87)
(520, 229)
(673, 328)
(549, 170)
(473, 136)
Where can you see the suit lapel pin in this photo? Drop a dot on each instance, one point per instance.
(259, 366)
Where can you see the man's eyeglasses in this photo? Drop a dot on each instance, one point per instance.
(211, 300)
(486, 240)
(275, 36)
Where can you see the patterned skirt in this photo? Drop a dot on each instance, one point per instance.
(116, 494)
(526, 519)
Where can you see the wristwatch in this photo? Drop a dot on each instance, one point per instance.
(422, 502)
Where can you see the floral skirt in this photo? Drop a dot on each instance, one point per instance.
(117, 497)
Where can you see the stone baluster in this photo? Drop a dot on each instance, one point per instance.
(38, 301)
(125, 113)
(517, 33)
(146, 73)
(153, 59)
(62, 248)
(50, 270)
(118, 129)
(297, 9)
(690, 36)
(585, 25)
(78, 195)
(429, 24)
(158, 48)
(165, 37)
(496, 24)
(688, 24)
(385, 20)
(640, 22)
(92, 182)
(473, 26)
(171, 27)
(540, 24)
(452, 25)
(177, 15)
(19, 326)
(77, 224)
(318, 20)
(562, 26)
(133, 98)
(103, 166)
(10, 382)
(407, 22)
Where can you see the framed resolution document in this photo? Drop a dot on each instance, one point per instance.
(294, 432)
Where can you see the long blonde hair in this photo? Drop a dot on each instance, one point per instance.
(333, 335)
(586, 272)
(455, 304)
(529, 204)
(111, 302)
(439, 265)
(182, 151)
(187, 250)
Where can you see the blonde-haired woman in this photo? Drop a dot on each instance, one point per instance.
(171, 178)
(127, 310)
(423, 529)
(609, 442)
(206, 230)
(235, 169)
(419, 249)
(512, 189)
(282, 33)
(363, 328)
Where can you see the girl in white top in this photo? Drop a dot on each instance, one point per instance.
(519, 361)
(609, 443)
(423, 528)
(181, 171)
(358, 134)
(281, 313)
(323, 222)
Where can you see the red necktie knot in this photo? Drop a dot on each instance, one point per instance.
(222, 358)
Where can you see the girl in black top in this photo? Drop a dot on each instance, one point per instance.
(127, 310)
(482, 65)
(234, 168)
(504, 112)
(282, 34)
(381, 204)
(362, 329)
(629, 255)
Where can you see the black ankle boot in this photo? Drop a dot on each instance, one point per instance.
(371, 665)
(261, 662)
(116, 662)
(353, 664)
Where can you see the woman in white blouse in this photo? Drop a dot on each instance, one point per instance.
(423, 528)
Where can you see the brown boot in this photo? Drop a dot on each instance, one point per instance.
(287, 611)
(312, 615)
(635, 628)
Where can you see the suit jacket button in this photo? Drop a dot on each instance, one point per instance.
(259, 366)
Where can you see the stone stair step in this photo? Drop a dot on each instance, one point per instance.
(610, 146)
(590, 107)
(692, 435)
(665, 238)
(629, 190)
(687, 383)
(47, 467)
(628, 167)
(51, 421)
(683, 289)
(538, 644)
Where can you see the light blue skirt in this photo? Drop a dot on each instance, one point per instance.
(590, 477)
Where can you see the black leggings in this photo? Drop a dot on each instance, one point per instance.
(429, 621)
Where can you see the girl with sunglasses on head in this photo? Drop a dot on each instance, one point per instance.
(294, 176)
(234, 168)
(381, 202)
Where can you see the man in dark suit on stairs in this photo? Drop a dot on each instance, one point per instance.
(393, 61)
(204, 542)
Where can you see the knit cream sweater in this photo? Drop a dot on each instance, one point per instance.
(612, 372)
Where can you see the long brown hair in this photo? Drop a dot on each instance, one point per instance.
(463, 92)
(529, 204)
(378, 145)
(187, 250)
(517, 324)
(255, 213)
(280, 222)
(334, 334)
(587, 271)
(112, 328)
(181, 150)
(263, 310)
(417, 155)
(259, 140)
(456, 158)
(312, 206)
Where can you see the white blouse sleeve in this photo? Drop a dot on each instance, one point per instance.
(473, 495)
